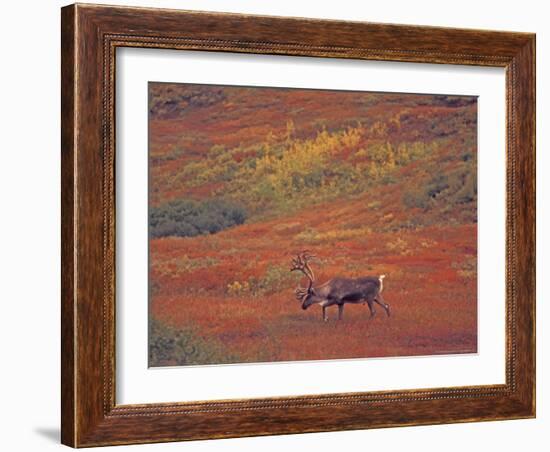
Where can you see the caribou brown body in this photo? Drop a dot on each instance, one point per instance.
(338, 291)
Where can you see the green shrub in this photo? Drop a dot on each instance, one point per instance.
(171, 347)
(188, 218)
(458, 187)
(468, 191)
(416, 198)
(437, 185)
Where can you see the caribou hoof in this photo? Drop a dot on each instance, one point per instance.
(388, 310)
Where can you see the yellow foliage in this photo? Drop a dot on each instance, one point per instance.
(238, 288)
(399, 245)
(378, 130)
(361, 153)
(282, 171)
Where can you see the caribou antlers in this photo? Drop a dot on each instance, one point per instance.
(301, 263)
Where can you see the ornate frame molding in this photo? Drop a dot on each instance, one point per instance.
(90, 37)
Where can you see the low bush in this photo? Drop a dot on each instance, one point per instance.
(456, 187)
(171, 347)
(188, 218)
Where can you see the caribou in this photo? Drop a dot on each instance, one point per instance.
(338, 291)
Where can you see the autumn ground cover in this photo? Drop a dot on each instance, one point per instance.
(244, 178)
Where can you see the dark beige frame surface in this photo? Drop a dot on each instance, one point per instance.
(90, 36)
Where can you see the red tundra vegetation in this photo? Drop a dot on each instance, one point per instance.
(243, 178)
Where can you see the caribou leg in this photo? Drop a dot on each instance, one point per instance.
(325, 317)
(371, 308)
(340, 311)
(379, 300)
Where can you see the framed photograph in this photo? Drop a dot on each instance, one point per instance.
(281, 225)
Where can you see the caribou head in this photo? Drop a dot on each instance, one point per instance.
(306, 295)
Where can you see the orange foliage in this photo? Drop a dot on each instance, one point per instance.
(434, 309)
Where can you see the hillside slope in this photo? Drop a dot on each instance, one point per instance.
(371, 184)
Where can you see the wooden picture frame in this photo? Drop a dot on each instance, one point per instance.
(90, 36)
